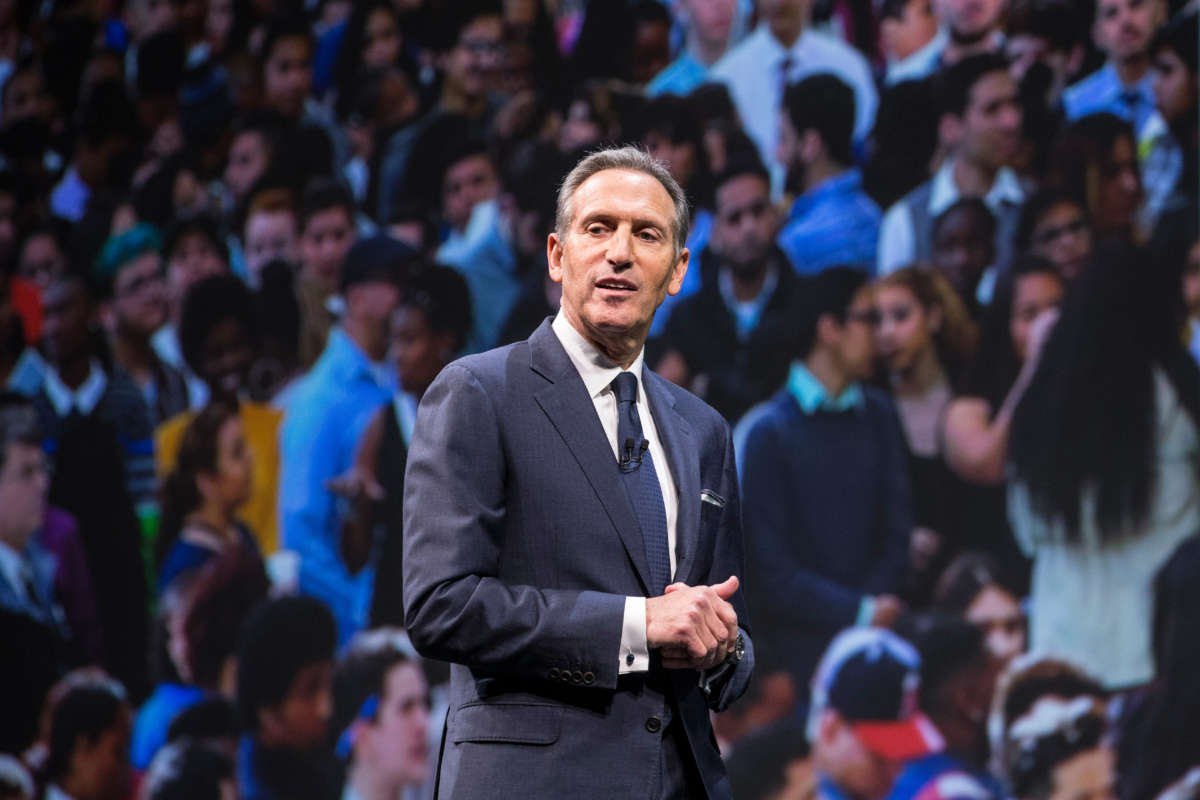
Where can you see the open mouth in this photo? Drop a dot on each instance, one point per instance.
(616, 285)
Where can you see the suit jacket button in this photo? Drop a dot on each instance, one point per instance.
(589, 678)
(654, 724)
(565, 675)
(554, 673)
(577, 676)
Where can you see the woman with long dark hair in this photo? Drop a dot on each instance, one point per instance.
(975, 428)
(1105, 463)
(89, 743)
(201, 496)
(925, 339)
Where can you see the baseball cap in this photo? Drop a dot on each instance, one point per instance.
(872, 677)
(378, 258)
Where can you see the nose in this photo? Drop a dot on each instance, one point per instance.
(620, 247)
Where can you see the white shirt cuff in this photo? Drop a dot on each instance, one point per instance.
(635, 651)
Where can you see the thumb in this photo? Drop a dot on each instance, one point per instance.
(727, 588)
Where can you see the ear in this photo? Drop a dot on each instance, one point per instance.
(828, 726)
(680, 271)
(106, 315)
(811, 147)
(1075, 60)
(829, 331)
(950, 128)
(554, 257)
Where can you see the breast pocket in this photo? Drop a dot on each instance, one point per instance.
(512, 722)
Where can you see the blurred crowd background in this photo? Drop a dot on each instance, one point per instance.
(944, 285)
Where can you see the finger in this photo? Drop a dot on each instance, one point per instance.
(675, 587)
(703, 643)
(726, 588)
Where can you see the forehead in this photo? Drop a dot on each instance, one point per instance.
(289, 47)
(143, 262)
(622, 193)
(991, 86)
(742, 189)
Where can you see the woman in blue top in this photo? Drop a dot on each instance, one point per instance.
(202, 495)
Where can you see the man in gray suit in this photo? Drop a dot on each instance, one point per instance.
(572, 533)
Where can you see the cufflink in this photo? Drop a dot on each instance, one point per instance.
(629, 659)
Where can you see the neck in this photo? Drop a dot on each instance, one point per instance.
(15, 540)
(73, 372)
(971, 178)
(821, 170)
(748, 283)
(826, 370)
(1132, 69)
(620, 348)
(923, 376)
(373, 342)
(787, 36)
(371, 786)
(134, 353)
(455, 100)
(707, 53)
(73, 787)
(958, 49)
(215, 518)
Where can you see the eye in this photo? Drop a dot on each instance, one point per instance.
(648, 236)
(596, 229)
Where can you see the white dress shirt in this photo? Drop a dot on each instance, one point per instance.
(13, 570)
(84, 399)
(598, 373)
(753, 71)
(898, 240)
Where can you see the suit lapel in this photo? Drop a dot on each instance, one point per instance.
(678, 441)
(566, 402)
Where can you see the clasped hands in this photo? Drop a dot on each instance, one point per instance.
(695, 627)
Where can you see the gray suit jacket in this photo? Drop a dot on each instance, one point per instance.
(520, 546)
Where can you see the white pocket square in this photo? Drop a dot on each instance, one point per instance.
(712, 497)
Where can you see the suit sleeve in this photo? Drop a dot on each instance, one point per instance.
(723, 687)
(456, 607)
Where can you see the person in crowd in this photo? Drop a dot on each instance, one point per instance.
(211, 480)
(327, 233)
(783, 49)
(926, 341)
(469, 56)
(475, 244)
(980, 126)
(708, 28)
(1176, 246)
(1095, 160)
(429, 328)
(381, 720)
(194, 250)
(731, 343)
(130, 272)
(964, 29)
(905, 27)
(964, 249)
(1167, 143)
(189, 770)
(1124, 86)
(373, 41)
(833, 221)
(105, 130)
(287, 79)
(219, 333)
(864, 721)
(285, 667)
(1088, 505)
(973, 587)
(89, 741)
(325, 423)
(97, 428)
(42, 257)
(271, 233)
(33, 622)
(15, 781)
(1156, 750)
(1046, 42)
(252, 150)
(1054, 225)
(976, 425)
(202, 616)
(1060, 749)
(958, 679)
(827, 455)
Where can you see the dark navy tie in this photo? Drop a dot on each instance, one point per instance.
(641, 481)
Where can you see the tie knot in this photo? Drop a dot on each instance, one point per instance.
(625, 385)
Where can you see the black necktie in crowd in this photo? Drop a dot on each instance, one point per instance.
(641, 481)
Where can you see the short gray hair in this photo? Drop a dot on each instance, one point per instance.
(627, 158)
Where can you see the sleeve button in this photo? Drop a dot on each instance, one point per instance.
(589, 678)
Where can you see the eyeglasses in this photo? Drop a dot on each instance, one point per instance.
(1051, 234)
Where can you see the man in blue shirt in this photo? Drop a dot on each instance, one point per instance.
(325, 422)
(708, 23)
(828, 511)
(1124, 86)
(834, 221)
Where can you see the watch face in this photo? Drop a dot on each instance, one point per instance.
(739, 647)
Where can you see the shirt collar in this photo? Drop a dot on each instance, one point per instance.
(812, 396)
(593, 366)
(84, 399)
(12, 564)
(1006, 188)
(346, 361)
(842, 183)
(746, 313)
